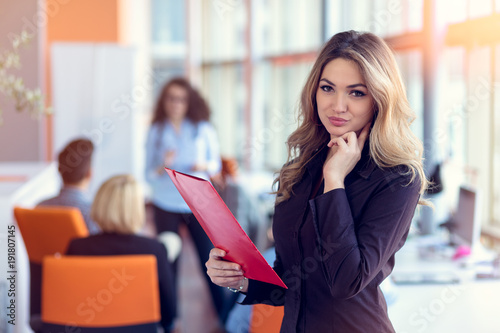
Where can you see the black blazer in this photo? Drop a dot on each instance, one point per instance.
(335, 249)
(107, 244)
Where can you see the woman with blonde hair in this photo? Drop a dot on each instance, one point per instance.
(346, 196)
(118, 209)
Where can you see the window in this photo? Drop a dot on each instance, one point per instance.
(480, 8)
(224, 89)
(282, 110)
(410, 64)
(496, 140)
(168, 41)
(167, 28)
(223, 30)
(253, 84)
(247, 83)
(452, 14)
(478, 116)
(290, 26)
(415, 15)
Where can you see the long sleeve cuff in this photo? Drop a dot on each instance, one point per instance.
(264, 293)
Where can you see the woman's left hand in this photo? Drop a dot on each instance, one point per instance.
(225, 273)
(345, 152)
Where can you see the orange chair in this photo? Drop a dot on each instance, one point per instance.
(266, 318)
(100, 294)
(46, 231)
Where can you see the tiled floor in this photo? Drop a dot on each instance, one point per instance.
(197, 314)
(196, 308)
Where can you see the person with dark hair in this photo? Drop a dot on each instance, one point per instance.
(346, 195)
(75, 168)
(181, 138)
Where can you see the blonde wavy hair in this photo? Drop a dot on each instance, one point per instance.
(119, 205)
(392, 143)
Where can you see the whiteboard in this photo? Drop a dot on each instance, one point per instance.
(93, 96)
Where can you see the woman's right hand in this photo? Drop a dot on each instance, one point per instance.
(169, 158)
(345, 152)
(225, 273)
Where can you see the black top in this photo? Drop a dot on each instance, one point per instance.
(334, 250)
(108, 244)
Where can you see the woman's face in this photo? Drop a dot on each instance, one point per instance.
(343, 100)
(176, 103)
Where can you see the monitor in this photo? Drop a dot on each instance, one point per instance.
(465, 224)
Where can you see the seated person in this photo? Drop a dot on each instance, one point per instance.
(74, 165)
(119, 211)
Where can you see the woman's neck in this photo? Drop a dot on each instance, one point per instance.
(176, 123)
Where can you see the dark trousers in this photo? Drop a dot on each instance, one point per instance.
(222, 298)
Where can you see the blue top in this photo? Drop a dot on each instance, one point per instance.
(193, 144)
(73, 197)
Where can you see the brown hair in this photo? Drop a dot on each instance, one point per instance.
(392, 142)
(198, 109)
(75, 161)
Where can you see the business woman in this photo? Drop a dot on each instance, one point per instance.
(346, 197)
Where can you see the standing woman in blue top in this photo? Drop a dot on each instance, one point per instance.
(346, 197)
(181, 138)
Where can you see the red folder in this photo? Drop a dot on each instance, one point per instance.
(222, 228)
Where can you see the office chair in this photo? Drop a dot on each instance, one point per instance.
(46, 231)
(100, 294)
(266, 318)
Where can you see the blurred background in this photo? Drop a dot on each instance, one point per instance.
(101, 63)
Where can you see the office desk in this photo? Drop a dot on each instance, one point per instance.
(470, 306)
